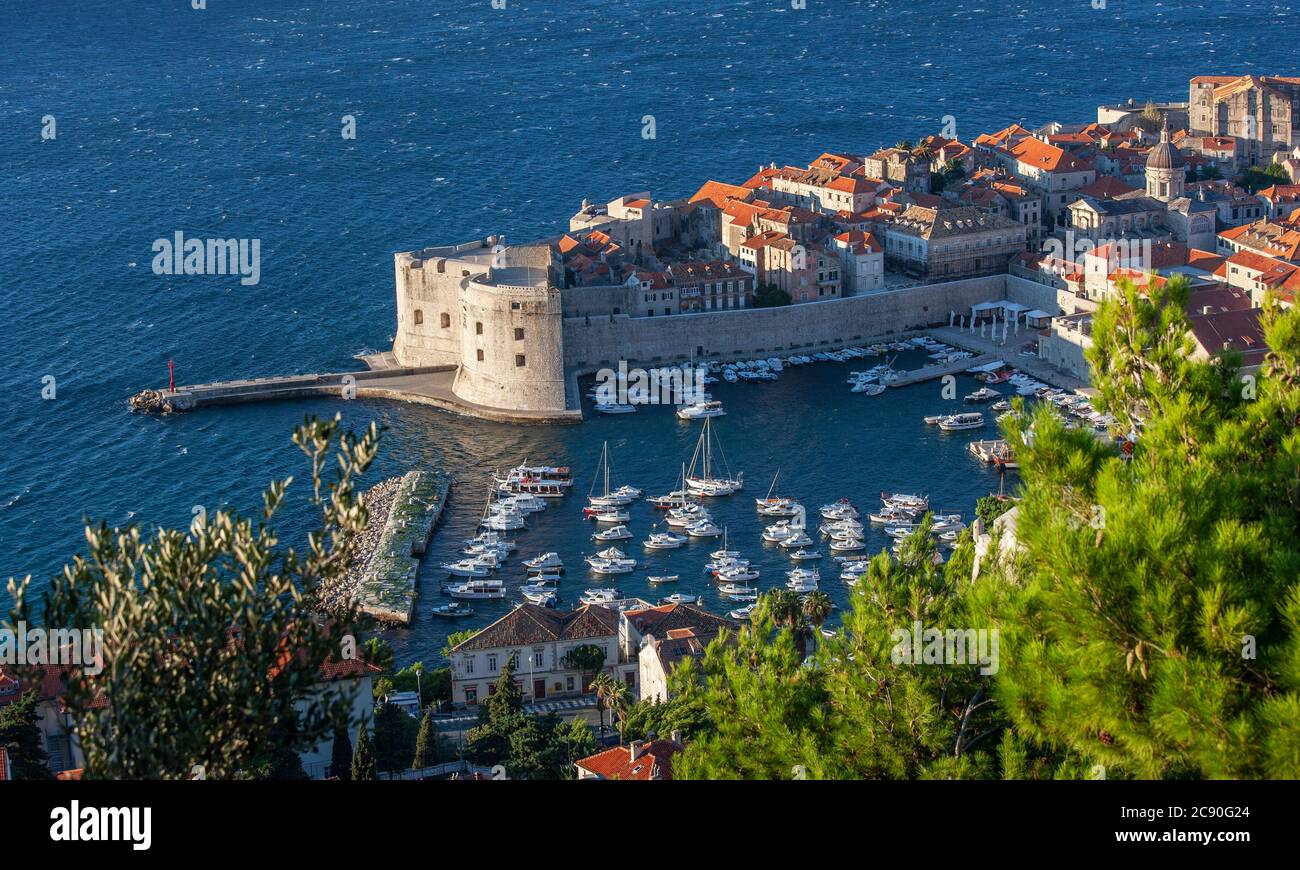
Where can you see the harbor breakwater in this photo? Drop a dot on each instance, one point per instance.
(387, 587)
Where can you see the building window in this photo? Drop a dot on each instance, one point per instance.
(478, 327)
(519, 333)
(469, 664)
(568, 683)
(479, 354)
(419, 317)
(514, 661)
(539, 660)
(519, 360)
(514, 306)
(492, 664)
(471, 696)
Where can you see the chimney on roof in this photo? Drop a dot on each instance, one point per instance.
(634, 749)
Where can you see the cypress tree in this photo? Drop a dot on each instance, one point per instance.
(363, 760)
(341, 755)
(426, 744)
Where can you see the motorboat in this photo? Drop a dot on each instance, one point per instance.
(743, 613)
(656, 579)
(545, 481)
(797, 541)
(703, 529)
(453, 610)
(717, 566)
(738, 574)
(542, 597)
(805, 555)
(613, 533)
(700, 410)
(610, 515)
(778, 532)
(545, 562)
(605, 595)
(614, 408)
(867, 388)
(687, 515)
(468, 568)
(842, 509)
(738, 592)
(664, 541)
(847, 545)
(983, 394)
(802, 580)
(905, 501)
(679, 598)
(477, 589)
(958, 422)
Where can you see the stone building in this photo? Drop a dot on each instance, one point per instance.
(493, 312)
(901, 167)
(937, 245)
(1262, 113)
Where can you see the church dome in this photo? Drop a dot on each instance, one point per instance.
(1162, 155)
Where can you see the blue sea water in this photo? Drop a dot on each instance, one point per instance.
(226, 122)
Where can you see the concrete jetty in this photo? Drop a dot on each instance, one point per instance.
(428, 385)
(929, 373)
(387, 590)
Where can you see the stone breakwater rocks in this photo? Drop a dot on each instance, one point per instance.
(379, 503)
(150, 402)
(386, 588)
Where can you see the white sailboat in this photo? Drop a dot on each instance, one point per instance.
(618, 497)
(705, 483)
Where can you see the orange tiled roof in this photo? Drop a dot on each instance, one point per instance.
(655, 761)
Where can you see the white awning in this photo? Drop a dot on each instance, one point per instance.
(1037, 314)
(985, 306)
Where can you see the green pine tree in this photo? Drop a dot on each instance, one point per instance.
(20, 737)
(341, 755)
(426, 743)
(363, 760)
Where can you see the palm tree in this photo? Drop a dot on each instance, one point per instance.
(605, 687)
(785, 609)
(817, 606)
(617, 698)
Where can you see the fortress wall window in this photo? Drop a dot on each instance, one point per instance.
(446, 320)
(519, 360)
(519, 333)
(419, 317)
(480, 354)
(478, 327)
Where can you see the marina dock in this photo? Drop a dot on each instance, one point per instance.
(929, 373)
(387, 590)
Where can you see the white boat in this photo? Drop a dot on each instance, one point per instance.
(611, 515)
(467, 568)
(958, 422)
(606, 595)
(738, 592)
(661, 578)
(542, 597)
(609, 498)
(703, 529)
(545, 481)
(847, 545)
(742, 612)
(983, 394)
(717, 566)
(611, 566)
(905, 501)
(679, 598)
(614, 408)
(545, 562)
(705, 483)
(738, 574)
(842, 509)
(802, 580)
(687, 515)
(722, 552)
(797, 541)
(613, 533)
(452, 610)
(477, 589)
(664, 541)
(776, 506)
(778, 532)
(868, 389)
(700, 410)
(805, 555)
